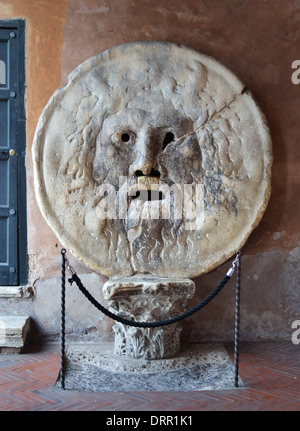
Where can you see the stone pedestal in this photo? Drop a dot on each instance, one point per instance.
(148, 299)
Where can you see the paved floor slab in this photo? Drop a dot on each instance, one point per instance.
(94, 367)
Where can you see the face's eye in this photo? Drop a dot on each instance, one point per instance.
(168, 138)
(123, 137)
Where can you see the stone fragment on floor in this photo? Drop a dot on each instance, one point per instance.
(13, 333)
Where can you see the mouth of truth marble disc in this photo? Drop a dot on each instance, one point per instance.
(152, 159)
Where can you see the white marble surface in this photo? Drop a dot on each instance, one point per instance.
(180, 119)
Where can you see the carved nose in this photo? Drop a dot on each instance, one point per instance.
(143, 166)
(145, 160)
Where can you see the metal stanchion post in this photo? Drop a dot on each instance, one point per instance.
(63, 288)
(237, 320)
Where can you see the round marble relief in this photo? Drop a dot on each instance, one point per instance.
(152, 159)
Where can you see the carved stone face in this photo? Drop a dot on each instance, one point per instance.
(147, 138)
(152, 159)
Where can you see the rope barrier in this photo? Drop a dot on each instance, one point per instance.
(176, 319)
(204, 302)
(76, 279)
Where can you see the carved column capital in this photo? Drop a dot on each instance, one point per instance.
(148, 299)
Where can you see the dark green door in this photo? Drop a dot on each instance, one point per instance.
(12, 154)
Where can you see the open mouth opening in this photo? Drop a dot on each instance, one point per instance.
(149, 195)
(153, 173)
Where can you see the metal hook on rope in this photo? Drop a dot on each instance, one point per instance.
(69, 267)
(234, 264)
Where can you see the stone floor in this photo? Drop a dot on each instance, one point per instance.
(94, 367)
(269, 370)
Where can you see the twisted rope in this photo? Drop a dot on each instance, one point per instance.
(176, 319)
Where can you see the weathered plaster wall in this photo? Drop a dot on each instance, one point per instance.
(258, 40)
(44, 39)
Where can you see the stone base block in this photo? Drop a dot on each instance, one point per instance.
(197, 367)
(13, 333)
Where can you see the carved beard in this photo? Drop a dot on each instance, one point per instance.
(148, 238)
(154, 228)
